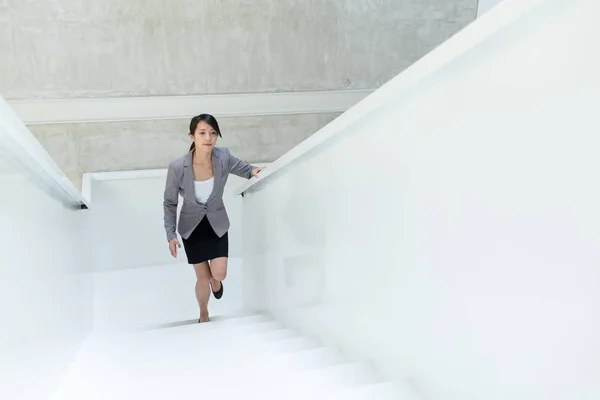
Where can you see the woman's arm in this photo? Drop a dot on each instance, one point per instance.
(171, 198)
(242, 168)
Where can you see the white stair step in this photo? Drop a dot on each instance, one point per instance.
(327, 380)
(288, 345)
(296, 353)
(195, 348)
(195, 332)
(279, 334)
(311, 359)
(344, 375)
(229, 358)
(376, 391)
(178, 328)
(287, 383)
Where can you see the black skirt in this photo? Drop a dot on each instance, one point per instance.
(204, 244)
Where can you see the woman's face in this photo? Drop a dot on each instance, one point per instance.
(205, 137)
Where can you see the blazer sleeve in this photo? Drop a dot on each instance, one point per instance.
(171, 198)
(239, 167)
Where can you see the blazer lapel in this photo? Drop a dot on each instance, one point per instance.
(188, 178)
(218, 172)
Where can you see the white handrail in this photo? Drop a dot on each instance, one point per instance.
(479, 30)
(32, 156)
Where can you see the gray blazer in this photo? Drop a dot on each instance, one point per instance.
(180, 179)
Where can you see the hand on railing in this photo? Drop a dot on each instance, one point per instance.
(256, 170)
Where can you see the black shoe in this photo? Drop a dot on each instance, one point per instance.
(219, 293)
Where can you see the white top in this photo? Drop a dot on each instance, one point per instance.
(203, 189)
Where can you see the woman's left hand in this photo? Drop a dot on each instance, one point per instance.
(256, 170)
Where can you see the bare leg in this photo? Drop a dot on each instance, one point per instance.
(218, 270)
(203, 278)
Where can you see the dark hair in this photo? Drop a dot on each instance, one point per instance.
(209, 119)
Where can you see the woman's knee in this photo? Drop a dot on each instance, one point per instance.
(202, 272)
(204, 278)
(220, 275)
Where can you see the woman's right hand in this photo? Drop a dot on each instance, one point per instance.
(173, 246)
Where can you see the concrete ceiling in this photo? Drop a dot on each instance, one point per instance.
(104, 48)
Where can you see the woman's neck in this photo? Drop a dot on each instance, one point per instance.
(202, 157)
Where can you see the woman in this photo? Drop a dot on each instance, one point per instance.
(200, 178)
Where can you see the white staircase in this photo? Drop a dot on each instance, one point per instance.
(229, 358)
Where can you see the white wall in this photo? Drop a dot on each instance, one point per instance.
(136, 281)
(45, 292)
(486, 5)
(451, 236)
